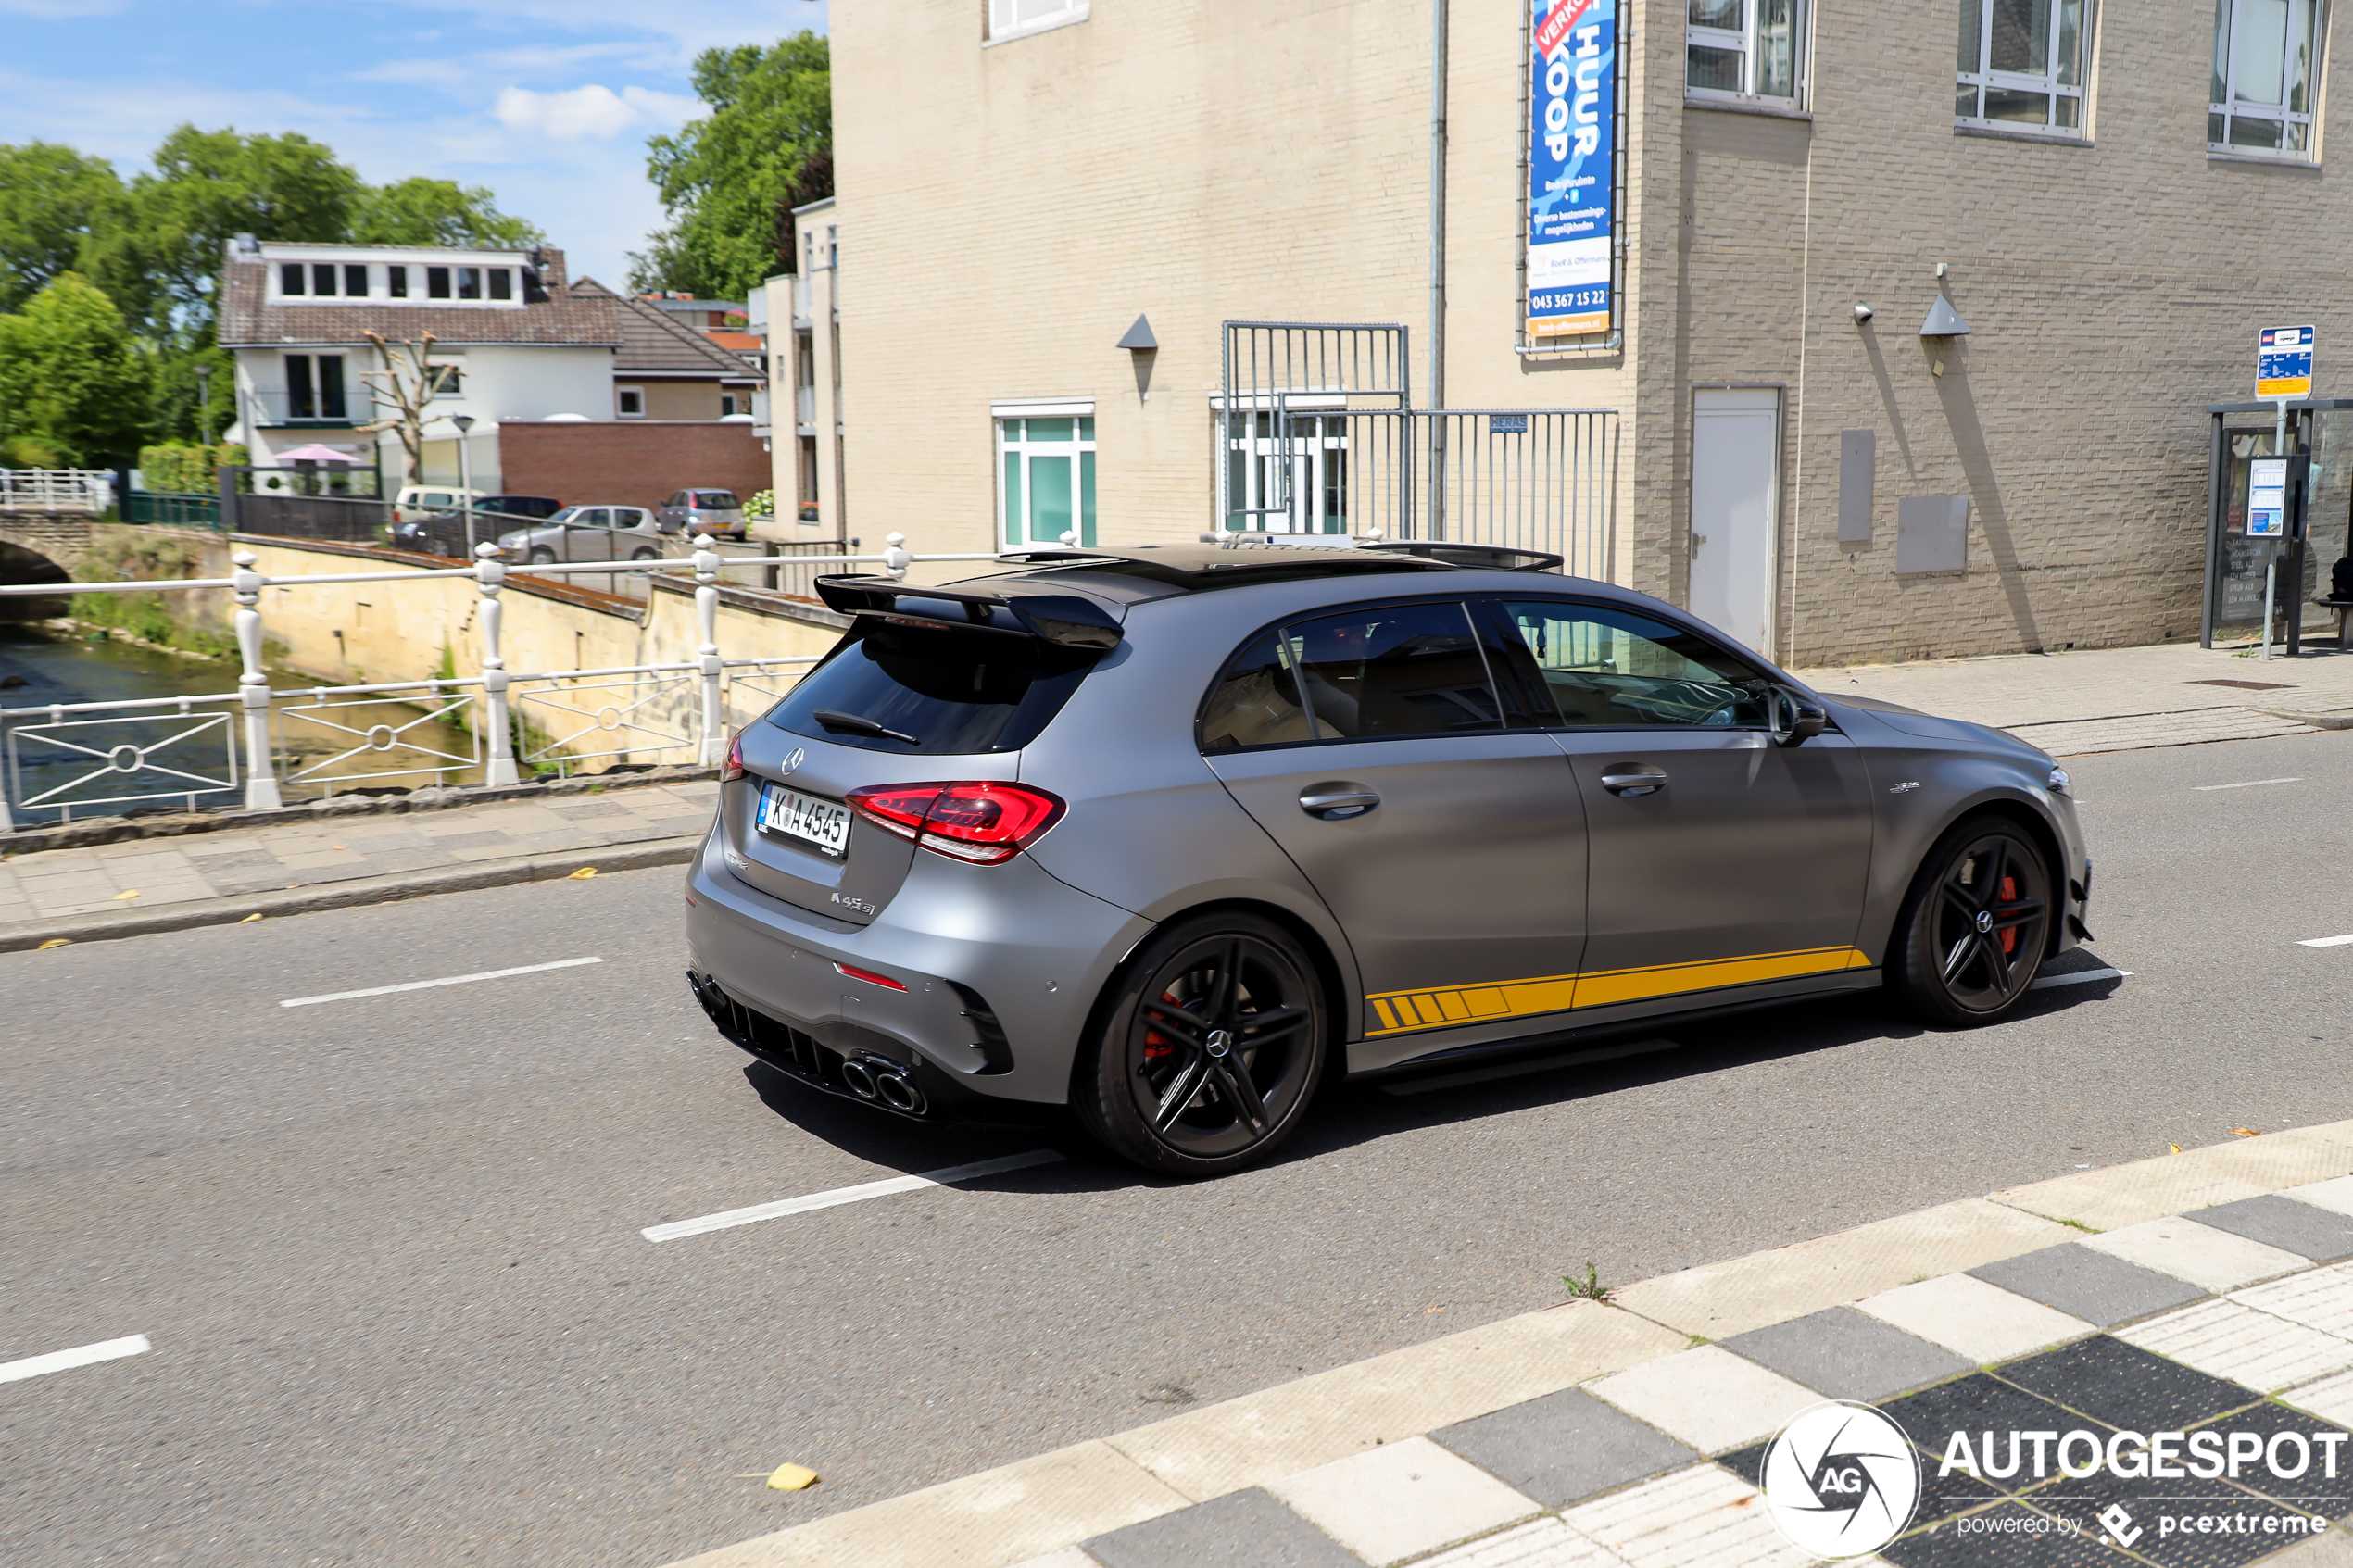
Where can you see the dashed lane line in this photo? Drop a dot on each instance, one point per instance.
(2327, 941)
(2245, 784)
(677, 1229)
(429, 984)
(82, 1355)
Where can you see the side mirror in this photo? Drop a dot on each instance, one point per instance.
(1796, 717)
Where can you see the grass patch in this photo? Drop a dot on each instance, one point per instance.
(1589, 1289)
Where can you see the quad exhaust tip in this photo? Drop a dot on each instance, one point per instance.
(883, 1081)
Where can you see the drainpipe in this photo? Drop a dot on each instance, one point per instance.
(1438, 203)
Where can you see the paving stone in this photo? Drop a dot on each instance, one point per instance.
(1402, 1499)
(2302, 1228)
(1706, 1397)
(2179, 1246)
(1973, 1319)
(1069, 1557)
(2321, 1298)
(2149, 1502)
(2335, 1194)
(2099, 1287)
(2124, 1386)
(1977, 1404)
(2331, 1398)
(1563, 1447)
(1702, 1517)
(1847, 1355)
(587, 808)
(1981, 1540)
(2315, 1491)
(2236, 1342)
(464, 837)
(1244, 1529)
(1539, 1543)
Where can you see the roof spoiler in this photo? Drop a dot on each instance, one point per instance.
(1482, 557)
(1065, 619)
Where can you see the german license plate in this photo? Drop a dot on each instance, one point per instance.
(824, 824)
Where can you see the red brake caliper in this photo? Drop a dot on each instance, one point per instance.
(1154, 1042)
(2009, 893)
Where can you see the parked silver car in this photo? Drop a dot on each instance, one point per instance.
(1160, 834)
(587, 533)
(716, 512)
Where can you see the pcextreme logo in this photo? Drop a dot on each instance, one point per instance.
(1842, 1480)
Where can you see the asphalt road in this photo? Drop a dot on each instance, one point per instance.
(388, 1250)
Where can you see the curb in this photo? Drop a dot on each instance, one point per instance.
(350, 895)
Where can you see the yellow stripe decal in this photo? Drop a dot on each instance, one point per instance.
(1402, 1010)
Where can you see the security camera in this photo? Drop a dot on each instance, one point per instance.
(1862, 313)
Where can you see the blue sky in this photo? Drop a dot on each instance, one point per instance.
(546, 102)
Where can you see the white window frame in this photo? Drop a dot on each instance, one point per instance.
(1983, 78)
(1081, 415)
(2225, 106)
(1003, 27)
(621, 410)
(1745, 40)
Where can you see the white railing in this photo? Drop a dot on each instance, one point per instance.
(186, 749)
(56, 490)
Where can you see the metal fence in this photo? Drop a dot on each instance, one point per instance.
(171, 508)
(56, 490)
(257, 747)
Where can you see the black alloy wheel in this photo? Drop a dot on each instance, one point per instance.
(1214, 1040)
(1974, 926)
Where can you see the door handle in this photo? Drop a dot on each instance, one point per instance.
(1633, 782)
(1335, 802)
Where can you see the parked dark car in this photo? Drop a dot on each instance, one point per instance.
(445, 534)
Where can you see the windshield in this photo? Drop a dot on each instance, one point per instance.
(946, 690)
(570, 514)
(718, 499)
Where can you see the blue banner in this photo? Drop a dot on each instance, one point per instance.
(1572, 127)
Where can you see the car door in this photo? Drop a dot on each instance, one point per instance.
(1718, 859)
(590, 535)
(1448, 843)
(632, 529)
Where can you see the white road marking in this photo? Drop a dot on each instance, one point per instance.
(2246, 784)
(2083, 977)
(782, 1207)
(86, 1355)
(2326, 941)
(429, 984)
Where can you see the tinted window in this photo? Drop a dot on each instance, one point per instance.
(719, 498)
(1402, 670)
(954, 690)
(1606, 668)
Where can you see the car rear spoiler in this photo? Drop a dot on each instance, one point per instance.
(1065, 619)
(1482, 557)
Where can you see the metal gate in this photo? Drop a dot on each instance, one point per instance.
(1317, 434)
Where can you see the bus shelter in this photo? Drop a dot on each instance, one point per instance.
(2320, 427)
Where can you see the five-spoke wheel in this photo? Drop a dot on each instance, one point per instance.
(1211, 1050)
(1972, 931)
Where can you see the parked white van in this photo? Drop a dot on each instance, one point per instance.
(417, 502)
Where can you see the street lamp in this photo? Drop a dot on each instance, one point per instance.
(204, 403)
(465, 422)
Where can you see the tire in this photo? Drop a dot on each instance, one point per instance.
(1971, 936)
(543, 556)
(1175, 1017)
(643, 552)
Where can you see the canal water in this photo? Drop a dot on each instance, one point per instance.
(80, 765)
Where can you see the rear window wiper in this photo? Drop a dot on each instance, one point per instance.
(834, 719)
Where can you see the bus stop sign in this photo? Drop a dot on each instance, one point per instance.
(2283, 362)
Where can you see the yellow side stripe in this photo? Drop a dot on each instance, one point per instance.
(1402, 1010)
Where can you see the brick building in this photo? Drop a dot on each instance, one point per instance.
(2109, 214)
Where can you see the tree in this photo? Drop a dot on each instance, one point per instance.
(404, 388)
(73, 386)
(51, 200)
(730, 181)
(437, 212)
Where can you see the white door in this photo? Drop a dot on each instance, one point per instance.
(1736, 449)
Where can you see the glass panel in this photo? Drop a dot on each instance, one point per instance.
(2214, 129)
(2295, 136)
(437, 283)
(397, 281)
(2221, 59)
(355, 280)
(1406, 670)
(2258, 55)
(1713, 70)
(1972, 56)
(502, 284)
(2018, 108)
(1611, 669)
(2066, 112)
(1013, 513)
(1256, 702)
(1087, 496)
(331, 406)
(1087, 428)
(1048, 500)
(1336, 490)
(2021, 40)
(469, 282)
(322, 277)
(2069, 67)
(1776, 48)
(300, 402)
(956, 689)
(1049, 429)
(2299, 54)
(290, 278)
(2246, 132)
(1725, 14)
(1965, 102)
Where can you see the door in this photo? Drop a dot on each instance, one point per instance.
(1287, 472)
(1736, 453)
(1718, 859)
(1451, 850)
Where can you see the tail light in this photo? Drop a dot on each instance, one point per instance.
(733, 769)
(985, 823)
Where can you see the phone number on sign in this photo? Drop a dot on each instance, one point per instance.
(1558, 300)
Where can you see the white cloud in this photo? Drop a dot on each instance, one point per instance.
(594, 110)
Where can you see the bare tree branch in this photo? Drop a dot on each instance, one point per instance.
(405, 387)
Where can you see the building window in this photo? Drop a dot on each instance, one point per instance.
(1012, 18)
(355, 280)
(2262, 82)
(397, 281)
(1286, 474)
(1049, 469)
(322, 278)
(728, 405)
(449, 381)
(630, 402)
(314, 387)
(437, 282)
(469, 282)
(293, 278)
(502, 284)
(2022, 64)
(1743, 50)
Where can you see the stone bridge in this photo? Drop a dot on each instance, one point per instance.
(60, 537)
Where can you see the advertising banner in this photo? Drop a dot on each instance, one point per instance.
(1572, 135)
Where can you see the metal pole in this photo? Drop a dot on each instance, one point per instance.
(714, 728)
(2270, 585)
(253, 687)
(1437, 21)
(490, 574)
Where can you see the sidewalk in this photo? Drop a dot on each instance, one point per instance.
(355, 851)
(2203, 1292)
(2120, 699)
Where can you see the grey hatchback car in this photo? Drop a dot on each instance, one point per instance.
(1169, 836)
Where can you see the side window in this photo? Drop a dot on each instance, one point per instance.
(1257, 701)
(1610, 668)
(1402, 669)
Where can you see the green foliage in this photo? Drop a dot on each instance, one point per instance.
(761, 505)
(117, 557)
(72, 382)
(730, 181)
(186, 468)
(52, 199)
(437, 212)
(1589, 1289)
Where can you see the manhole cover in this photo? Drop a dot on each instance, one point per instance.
(2249, 685)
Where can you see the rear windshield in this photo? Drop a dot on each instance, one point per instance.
(951, 690)
(718, 498)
